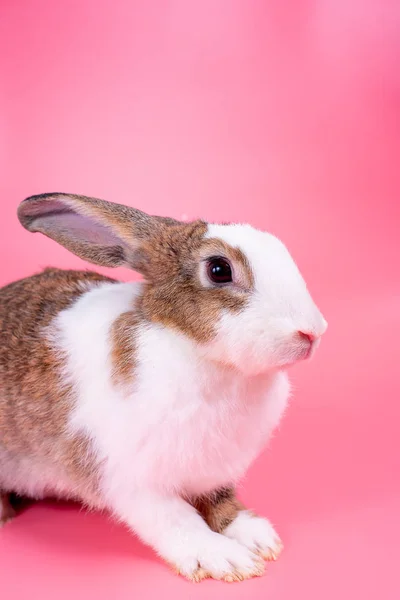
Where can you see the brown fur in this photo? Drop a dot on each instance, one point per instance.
(175, 296)
(7, 512)
(34, 406)
(123, 347)
(219, 509)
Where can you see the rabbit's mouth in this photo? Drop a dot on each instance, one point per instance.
(308, 350)
(301, 348)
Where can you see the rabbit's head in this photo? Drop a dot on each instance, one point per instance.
(233, 290)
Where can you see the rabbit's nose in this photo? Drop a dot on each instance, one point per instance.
(307, 336)
(307, 342)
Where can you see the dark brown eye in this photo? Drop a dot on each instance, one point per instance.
(219, 270)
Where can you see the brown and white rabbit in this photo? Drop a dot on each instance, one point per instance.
(152, 399)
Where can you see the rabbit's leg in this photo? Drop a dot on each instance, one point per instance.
(219, 508)
(6, 510)
(225, 514)
(180, 535)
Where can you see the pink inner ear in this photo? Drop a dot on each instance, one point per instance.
(78, 227)
(56, 217)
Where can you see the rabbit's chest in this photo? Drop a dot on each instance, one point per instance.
(184, 424)
(209, 451)
(205, 439)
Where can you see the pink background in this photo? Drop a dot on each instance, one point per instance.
(283, 114)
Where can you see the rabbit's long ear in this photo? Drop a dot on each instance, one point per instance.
(103, 233)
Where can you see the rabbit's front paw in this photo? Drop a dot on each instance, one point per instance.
(256, 534)
(217, 557)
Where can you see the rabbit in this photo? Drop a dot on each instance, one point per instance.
(151, 399)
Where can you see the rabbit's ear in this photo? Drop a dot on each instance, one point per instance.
(100, 232)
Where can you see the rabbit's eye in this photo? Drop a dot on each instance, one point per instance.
(219, 270)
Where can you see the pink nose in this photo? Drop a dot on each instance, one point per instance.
(307, 336)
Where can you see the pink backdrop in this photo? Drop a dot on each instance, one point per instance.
(283, 114)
